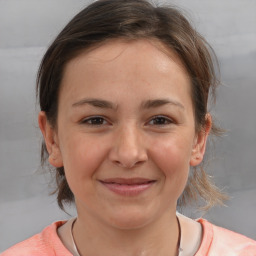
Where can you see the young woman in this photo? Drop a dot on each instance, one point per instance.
(123, 92)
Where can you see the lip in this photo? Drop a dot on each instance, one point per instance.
(128, 187)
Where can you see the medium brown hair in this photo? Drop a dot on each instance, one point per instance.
(132, 20)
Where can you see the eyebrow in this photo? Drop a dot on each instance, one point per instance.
(160, 102)
(96, 103)
(99, 103)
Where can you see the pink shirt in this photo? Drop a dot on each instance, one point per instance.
(216, 241)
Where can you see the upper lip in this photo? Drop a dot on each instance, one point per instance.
(129, 181)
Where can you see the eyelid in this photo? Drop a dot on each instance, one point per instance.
(85, 120)
(169, 119)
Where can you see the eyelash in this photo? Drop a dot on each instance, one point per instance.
(91, 121)
(162, 118)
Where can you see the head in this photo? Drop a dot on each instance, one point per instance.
(110, 23)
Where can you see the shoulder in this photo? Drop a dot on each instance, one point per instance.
(220, 241)
(45, 243)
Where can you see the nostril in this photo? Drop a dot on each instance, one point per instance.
(128, 165)
(128, 153)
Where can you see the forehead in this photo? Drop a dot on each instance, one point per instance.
(120, 62)
(110, 50)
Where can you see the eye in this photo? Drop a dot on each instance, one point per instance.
(160, 120)
(94, 121)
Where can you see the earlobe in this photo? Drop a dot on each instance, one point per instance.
(200, 142)
(51, 141)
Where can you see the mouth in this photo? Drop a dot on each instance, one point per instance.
(127, 187)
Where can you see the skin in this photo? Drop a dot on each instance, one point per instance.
(137, 134)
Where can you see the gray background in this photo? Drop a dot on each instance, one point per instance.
(28, 26)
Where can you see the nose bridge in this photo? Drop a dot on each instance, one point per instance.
(129, 139)
(129, 148)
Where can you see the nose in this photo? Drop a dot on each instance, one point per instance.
(128, 149)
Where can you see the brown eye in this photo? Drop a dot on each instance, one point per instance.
(160, 120)
(94, 121)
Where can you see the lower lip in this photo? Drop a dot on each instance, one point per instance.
(128, 190)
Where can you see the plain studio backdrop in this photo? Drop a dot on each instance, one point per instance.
(26, 29)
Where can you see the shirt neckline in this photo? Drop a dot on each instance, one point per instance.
(207, 237)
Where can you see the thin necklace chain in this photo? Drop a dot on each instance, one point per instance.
(180, 250)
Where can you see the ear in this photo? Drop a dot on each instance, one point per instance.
(51, 140)
(200, 142)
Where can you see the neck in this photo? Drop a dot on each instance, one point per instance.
(160, 237)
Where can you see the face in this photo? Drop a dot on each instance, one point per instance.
(125, 132)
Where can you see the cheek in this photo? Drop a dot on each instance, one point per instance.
(81, 158)
(172, 157)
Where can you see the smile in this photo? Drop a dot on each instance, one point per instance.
(128, 187)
